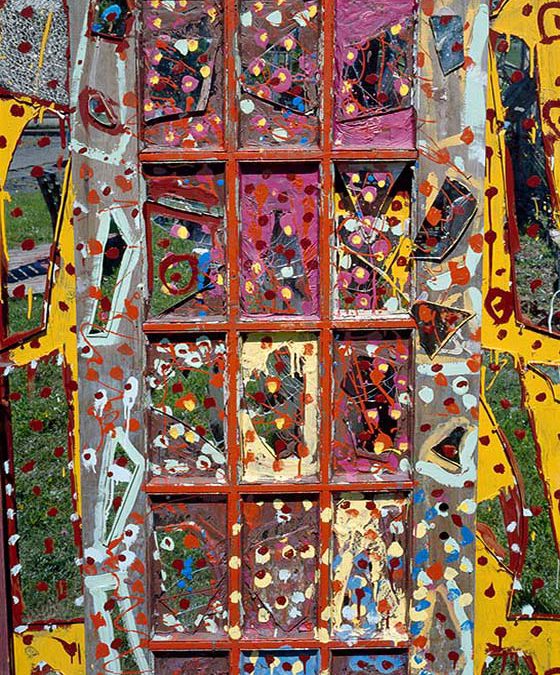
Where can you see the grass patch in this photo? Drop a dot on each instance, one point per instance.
(33, 223)
(50, 579)
(504, 395)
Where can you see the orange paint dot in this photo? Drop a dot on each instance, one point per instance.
(191, 541)
(93, 197)
(95, 247)
(130, 100)
(124, 184)
(133, 425)
(467, 136)
(116, 373)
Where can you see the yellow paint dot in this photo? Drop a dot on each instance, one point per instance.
(205, 71)
(396, 29)
(279, 422)
(192, 45)
(234, 632)
(182, 232)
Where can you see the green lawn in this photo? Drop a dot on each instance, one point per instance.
(43, 493)
(542, 559)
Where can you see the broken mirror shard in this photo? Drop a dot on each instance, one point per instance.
(446, 220)
(448, 41)
(374, 74)
(372, 242)
(192, 663)
(189, 567)
(437, 324)
(371, 407)
(279, 407)
(111, 18)
(279, 241)
(112, 272)
(368, 576)
(369, 663)
(279, 73)
(532, 216)
(183, 74)
(44, 535)
(280, 569)
(31, 223)
(186, 381)
(186, 242)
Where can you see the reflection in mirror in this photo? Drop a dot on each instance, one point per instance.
(34, 187)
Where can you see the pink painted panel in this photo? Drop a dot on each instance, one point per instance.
(374, 72)
(279, 241)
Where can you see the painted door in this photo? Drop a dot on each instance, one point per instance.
(267, 318)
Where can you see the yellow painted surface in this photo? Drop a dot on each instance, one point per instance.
(537, 639)
(62, 647)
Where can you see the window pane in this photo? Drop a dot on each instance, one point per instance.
(370, 663)
(374, 73)
(183, 73)
(279, 662)
(371, 407)
(189, 568)
(372, 238)
(279, 76)
(186, 234)
(279, 408)
(192, 664)
(280, 572)
(369, 567)
(279, 241)
(186, 380)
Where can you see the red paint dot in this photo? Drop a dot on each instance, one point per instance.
(27, 12)
(28, 244)
(19, 292)
(25, 47)
(17, 110)
(490, 592)
(37, 172)
(36, 425)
